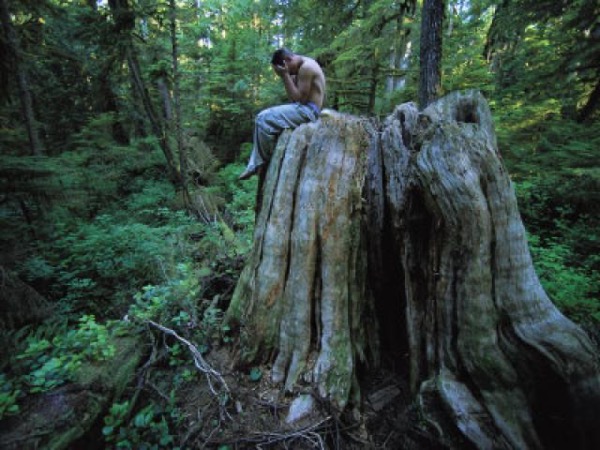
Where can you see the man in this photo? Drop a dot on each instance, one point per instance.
(304, 83)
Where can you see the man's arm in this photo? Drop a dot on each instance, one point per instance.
(299, 91)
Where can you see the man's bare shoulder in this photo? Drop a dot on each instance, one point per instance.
(311, 66)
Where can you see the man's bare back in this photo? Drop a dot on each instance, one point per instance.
(311, 70)
(303, 79)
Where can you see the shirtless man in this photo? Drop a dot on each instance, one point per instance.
(304, 83)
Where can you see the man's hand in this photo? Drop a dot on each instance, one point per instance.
(281, 70)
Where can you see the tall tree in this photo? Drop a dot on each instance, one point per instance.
(566, 61)
(430, 81)
(13, 51)
(124, 22)
(183, 162)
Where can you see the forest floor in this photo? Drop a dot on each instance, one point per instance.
(250, 412)
(257, 414)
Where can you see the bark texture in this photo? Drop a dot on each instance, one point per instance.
(430, 71)
(12, 42)
(404, 237)
(489, 352)
(301, 299)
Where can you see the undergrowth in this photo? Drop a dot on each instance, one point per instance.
(142, 260)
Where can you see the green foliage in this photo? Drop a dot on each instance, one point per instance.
(176, 304)
(543, 49)
(557, 208)
(148, 428)
(174, 301)
(464, 65)
(574, 291)
(103, 262)
(52, 363)
(240, 200)
(236, 75)
(9, 393)
(47, 363)
(564, 240)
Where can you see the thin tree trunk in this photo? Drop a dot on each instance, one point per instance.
(399, 56)
(166, 99)
(125, 21)
(430, 83)
(373, 88)
(183, 163)
(451, 12)
(155, 123)
(108, 102)
(12, 40)
(591, 105)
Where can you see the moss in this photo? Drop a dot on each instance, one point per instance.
(81, 423)
(113, 374)
(57, 419)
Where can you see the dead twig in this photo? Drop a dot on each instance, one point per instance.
(311, 433)
(211, 374)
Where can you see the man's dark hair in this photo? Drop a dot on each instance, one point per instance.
(279, 55)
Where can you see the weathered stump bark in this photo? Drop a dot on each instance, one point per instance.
(406, 237)
(301, 297)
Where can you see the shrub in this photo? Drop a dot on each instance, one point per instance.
(571, 289)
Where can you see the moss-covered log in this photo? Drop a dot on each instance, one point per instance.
(405, 237)
(71, 416)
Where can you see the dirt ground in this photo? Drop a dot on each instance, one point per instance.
(255, 413)
(223, 407)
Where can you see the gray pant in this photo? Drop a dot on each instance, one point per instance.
(271, 122)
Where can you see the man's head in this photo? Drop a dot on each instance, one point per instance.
(285, 57)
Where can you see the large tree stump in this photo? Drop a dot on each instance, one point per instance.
(405, 237)
(301, 297)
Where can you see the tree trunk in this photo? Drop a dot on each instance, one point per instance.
(183, 159)
(430, 58)
(124, 19)
(155, 123)
(12, 42)
(591, 104)
(405, 237)
(301, 297)
(108, 101)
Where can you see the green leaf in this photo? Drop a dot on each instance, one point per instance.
(166, 439)
(141, 420)
(255, 374)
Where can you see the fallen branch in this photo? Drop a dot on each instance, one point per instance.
(311, 434)
(210, 373)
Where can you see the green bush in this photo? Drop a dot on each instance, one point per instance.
(97, 266)
(9, 393)
(572, 290)
(149, 427)
(49, 362)
(178, 304)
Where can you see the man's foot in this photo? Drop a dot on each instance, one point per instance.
(248, 173)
